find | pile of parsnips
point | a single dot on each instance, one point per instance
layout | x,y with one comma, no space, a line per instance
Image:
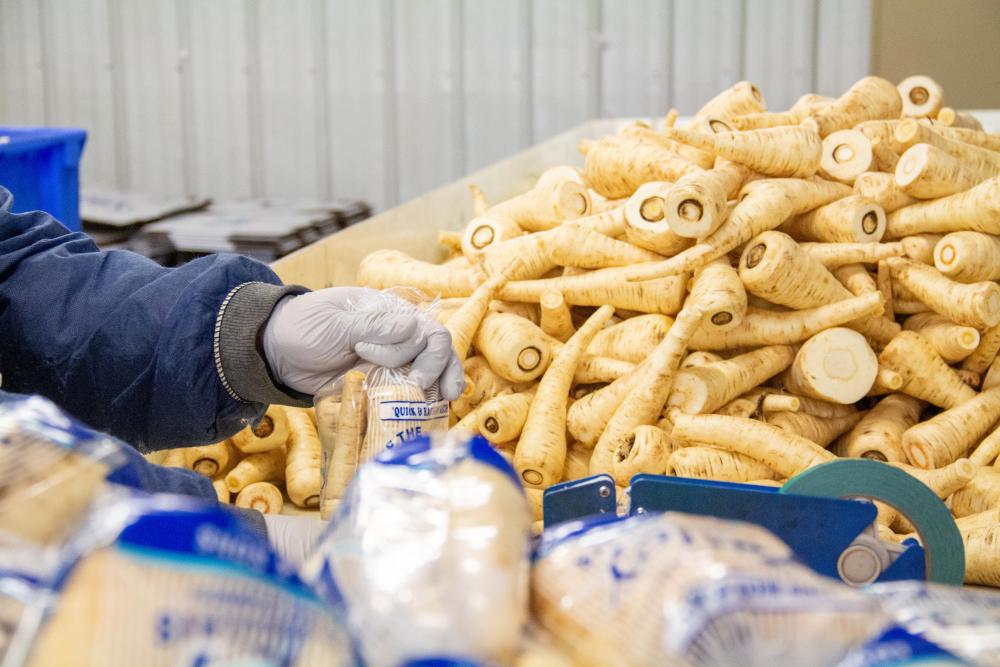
743,298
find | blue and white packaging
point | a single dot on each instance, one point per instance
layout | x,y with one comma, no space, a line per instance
898,648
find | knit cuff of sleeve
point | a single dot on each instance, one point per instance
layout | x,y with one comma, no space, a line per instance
239,361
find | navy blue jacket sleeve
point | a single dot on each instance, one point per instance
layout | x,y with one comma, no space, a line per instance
125,345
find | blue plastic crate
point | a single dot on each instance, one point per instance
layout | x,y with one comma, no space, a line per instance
41,167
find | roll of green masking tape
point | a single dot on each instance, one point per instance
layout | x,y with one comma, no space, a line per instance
861,478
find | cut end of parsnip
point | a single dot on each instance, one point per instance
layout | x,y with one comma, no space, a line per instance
912,164
836,365
921,95
846,155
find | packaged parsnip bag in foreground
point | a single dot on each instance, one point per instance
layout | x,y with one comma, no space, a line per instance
428,554
371,409
676,589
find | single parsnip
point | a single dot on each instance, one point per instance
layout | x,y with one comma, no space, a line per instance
855,278
774,267
904,302
266,466
541,449
600,370
880,438
391,268
616,166
980,494
975,304
577,464
835,365
546,205
951,118
882,189
976,209
920,247
645,221
887,381
943,481
925,374
501,418
645,134
481,383
478,199
969,136
644,403
207,459
982,560
302,461
575,245
846,155
871,98
817,429
777,151
987,451
268,433
605,287
739,99
643,450
556,319
465,321
832,255
261,496
718,293
695,359
516,349
980,160
885,149
764,327
631,340
921,96
766,204
483,231
706,388
952,341
948,435
787,454
927,172
697,204
347,434
450,241
985,353
968,257
221,491
522,258
700,462
852,219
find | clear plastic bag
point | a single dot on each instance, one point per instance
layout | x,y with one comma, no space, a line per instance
965,621
428,554
677,589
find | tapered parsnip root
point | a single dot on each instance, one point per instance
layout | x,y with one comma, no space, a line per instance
574,245
261,496
500,419
975,305
777,151
852,219
879,434
947,436
541,450
976,209
987,451
600,370
927,172
391,268
952,118
646,225
882,189
631,340
973,137
478,200
980,160
982,555
697,204
980,494
645,134
921,96
968,257
207,459
763,327
516,349
785,453
952,341
717,464
616,166
718,293
854,277
820,430
221,491
556,320
986,353
832,255
302,462
266,466
451,242
605,287
706,388
871,98
546,205
920,247
925,374
737,100
645,449
836,365
342,439
464,323
269,433
846,155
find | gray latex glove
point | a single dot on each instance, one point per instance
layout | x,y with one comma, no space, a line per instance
313,338
293,537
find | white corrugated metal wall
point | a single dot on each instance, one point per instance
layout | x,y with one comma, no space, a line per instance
386,99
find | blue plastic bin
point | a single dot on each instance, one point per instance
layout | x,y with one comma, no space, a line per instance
41,167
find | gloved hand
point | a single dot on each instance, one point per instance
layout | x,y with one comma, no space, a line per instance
313,338
293,537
